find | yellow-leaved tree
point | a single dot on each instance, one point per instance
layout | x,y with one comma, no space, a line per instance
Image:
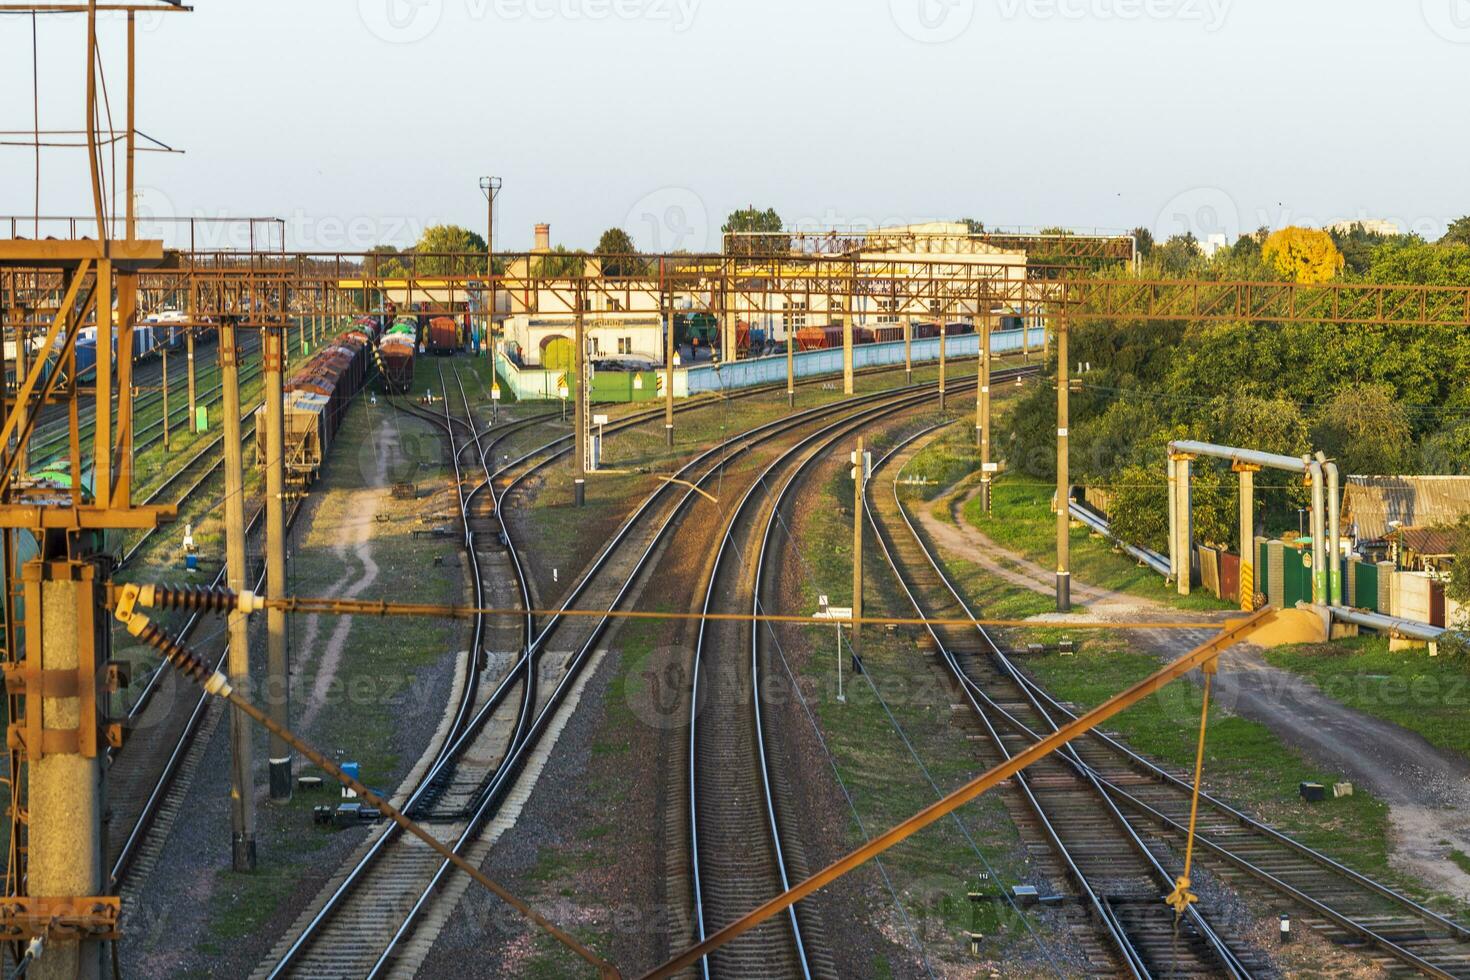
1303,254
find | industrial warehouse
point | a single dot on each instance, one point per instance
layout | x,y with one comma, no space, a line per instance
468,515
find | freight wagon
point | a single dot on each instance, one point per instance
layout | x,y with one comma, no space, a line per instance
316,397
827,338
894,331
397,350
444,336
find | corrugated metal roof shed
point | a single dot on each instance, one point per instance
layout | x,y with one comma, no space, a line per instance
1370,503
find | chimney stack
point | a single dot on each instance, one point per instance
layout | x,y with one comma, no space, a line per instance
543,238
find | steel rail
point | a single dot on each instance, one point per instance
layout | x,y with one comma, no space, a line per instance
184,742
511,763
462,724
828,436
1115,928
840,428
1046,704
500,782
249,371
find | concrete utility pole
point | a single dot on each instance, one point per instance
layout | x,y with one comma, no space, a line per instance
1247,473
670,336
729,346
242,775
850,315
578,383
491,187
1064,485
982,411
847,354
790,358
64,766
942,355
278,678
859,480
908,349
189,344
166,446
1183,546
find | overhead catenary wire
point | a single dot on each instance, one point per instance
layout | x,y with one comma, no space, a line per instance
222,599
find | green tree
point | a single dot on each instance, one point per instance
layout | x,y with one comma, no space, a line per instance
1145,241
1357,245
383,262
1411,260
1458,232
617,250
560,262
1447,452
1179,255
750,219
974,227
1365,429
1138,508
1271,425
450,250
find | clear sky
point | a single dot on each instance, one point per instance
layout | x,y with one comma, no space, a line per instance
362,120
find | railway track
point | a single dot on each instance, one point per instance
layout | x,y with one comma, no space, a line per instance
475,772
50,439
147,775
1099,782
740,852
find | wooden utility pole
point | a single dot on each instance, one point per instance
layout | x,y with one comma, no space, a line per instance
1064,486
982,410
278,679
242,775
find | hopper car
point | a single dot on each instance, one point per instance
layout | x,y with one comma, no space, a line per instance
397,348
317,395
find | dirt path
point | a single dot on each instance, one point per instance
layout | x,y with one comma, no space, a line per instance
1427,788
355,544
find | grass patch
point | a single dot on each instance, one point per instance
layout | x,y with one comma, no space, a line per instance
241,903
1428,695
1244,762
1022,522
1461,860
933,871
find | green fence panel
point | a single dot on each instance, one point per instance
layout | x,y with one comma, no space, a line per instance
1365,586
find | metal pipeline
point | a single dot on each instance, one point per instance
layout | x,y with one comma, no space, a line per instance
1319,548
1315,470
1334,529
1390,625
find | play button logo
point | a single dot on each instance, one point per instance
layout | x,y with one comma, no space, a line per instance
1450,19
400,21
